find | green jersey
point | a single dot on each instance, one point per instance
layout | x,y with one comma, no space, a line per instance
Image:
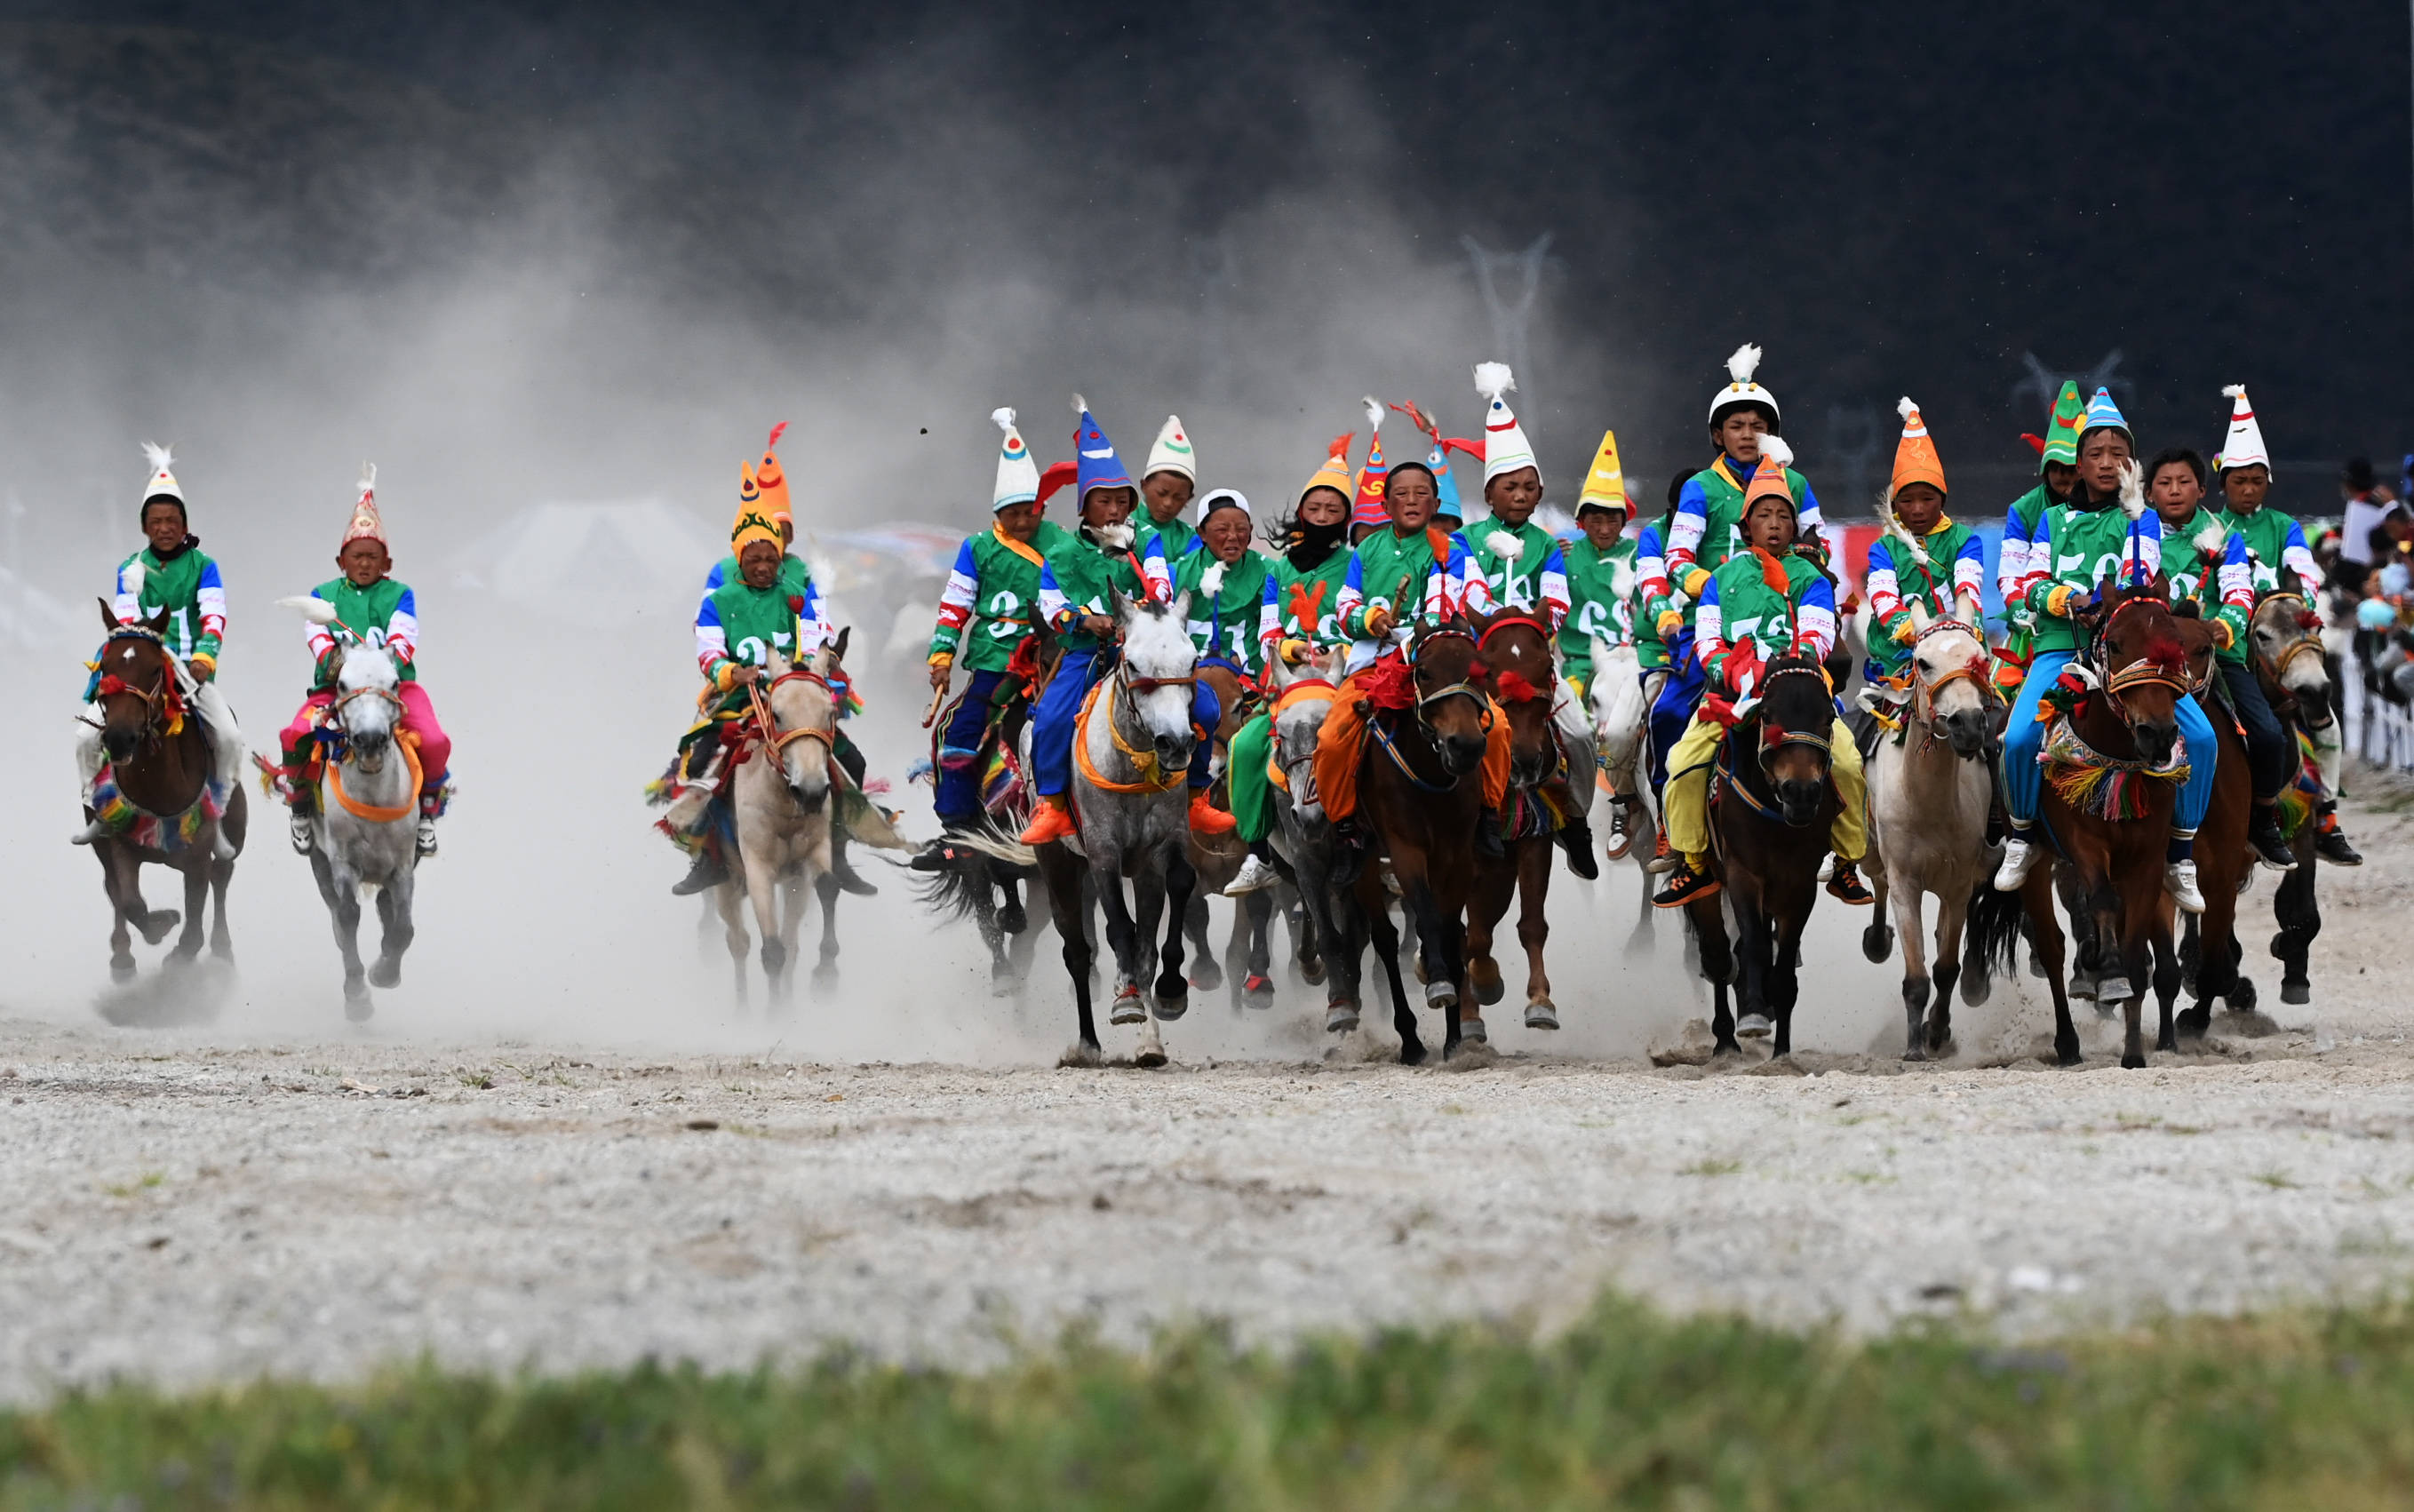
1079,577
992,597
383,613
1225,622
186,586
1600,602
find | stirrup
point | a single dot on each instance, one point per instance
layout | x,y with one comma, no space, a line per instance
302,832
426,838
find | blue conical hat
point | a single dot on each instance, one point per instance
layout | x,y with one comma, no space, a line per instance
1097,466
2103,414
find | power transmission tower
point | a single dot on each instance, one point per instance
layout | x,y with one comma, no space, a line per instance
1510,316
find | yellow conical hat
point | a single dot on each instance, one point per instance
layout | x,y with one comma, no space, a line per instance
753,522
1334,473
1605,486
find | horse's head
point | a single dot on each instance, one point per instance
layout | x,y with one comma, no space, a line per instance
1514,664
366,705
137,691
1617,707
2288,641
1160,665
1297,719
1796,714
804,718
1950,668
1451,710
2143,661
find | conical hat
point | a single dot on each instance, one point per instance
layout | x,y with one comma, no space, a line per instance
1605,483
1505,446
1335,471
1018,476
2244,445
1366,498
1171,452
753,521
2061,437
162,484
1915,454
773,480
1098,466
2103,414
1768,480
365,526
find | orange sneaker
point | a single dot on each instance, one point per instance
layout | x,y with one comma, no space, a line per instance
1053,822
1206,818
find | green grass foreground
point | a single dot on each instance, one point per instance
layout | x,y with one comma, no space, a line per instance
2303,1409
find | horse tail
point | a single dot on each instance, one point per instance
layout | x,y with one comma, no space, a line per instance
998,845
952,892
1992,931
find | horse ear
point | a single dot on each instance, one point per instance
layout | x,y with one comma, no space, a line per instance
1118,605
2291,583
2160,586
158,624
1600,651
1179,608
1920,617
108,617
838,647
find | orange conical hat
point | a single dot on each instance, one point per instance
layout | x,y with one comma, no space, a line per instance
753,522
773,480
365,526
1768,479
1915,455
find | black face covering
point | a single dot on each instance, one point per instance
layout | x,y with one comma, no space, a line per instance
1307,545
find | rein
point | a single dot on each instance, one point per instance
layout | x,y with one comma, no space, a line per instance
1976,672
1150,775
758,698
163,706
2141,672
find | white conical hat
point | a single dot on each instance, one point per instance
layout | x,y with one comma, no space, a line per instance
1171,452
1505,446
163,483
1740,389
2244,445
1018,476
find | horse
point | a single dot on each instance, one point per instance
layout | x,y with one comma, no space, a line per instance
367,836
1930,787
976,883
2121,732
2224,861
780,793
1131,751
1770,824
1420,796
2293,670
1302,836
1620,699
159,799
1516,668
1216,859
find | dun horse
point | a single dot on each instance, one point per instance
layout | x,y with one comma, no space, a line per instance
780,793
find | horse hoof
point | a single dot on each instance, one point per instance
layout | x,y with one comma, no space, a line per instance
1149,1059
1877,943
1013,920
2111,992
2067,1055
1172,1006
1541,1014
357,1006
1258,992
1205,975
1441,994
2291,992
2131,1062
1129,1008
1312,972
1916,1053
1471,1030
1081,1053
1340,1018
1490,992
386,974
1975,990
1753,1026
155,925
122,972
1412,1052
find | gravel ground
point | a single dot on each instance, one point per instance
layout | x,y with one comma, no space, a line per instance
253,1197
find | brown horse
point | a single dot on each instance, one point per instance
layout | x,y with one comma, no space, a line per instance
1770,816
159,766
1519,672
2130,721
2223,858
1216,859
2295,676
1420,796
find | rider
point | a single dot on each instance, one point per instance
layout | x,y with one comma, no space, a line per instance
1776,602
1664,650
739,624
1522,567
2276,544
2086,541
1921,556
2025,522
1078,582
1414,572
170,574
1709,525
1227,583
985,617
1166,485
1599,575
2207,558
372,607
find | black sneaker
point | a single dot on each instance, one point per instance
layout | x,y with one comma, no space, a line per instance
848,880
1349,852
1576,838
1683,886
938,855
2263,833
2332,846
1844,885
707,872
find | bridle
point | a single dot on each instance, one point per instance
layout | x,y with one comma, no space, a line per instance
1975,671
2142,673
1817,740
758,695
163,705
2307,643
1465,687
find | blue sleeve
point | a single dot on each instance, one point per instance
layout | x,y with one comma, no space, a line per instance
1557,561
1973,550
407,604
1693,499
1356,577
1808,514
1818,594
1709,599
2296,541
707,612
713,579
210,578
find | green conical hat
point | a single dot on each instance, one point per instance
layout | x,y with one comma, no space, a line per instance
2061,437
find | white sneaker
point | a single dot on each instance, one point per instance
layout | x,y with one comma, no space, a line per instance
297,826
2179,880
427,838
1255,875
2020,859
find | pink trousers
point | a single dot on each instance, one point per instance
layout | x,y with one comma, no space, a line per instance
418,716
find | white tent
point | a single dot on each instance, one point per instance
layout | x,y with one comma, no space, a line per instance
593,560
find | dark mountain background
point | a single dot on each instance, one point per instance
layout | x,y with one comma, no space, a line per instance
595,249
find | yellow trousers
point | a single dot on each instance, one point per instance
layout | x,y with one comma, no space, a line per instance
1686,801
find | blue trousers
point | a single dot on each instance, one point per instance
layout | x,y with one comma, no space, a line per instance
2023,737
1679,696
958,797
1059,708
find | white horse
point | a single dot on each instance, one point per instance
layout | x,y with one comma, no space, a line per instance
780,802
1928,794
1621,708
366,833
1302,834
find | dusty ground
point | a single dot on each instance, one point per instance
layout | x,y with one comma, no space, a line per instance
220,1201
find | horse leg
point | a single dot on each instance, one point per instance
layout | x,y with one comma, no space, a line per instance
792,926
1785,980
826,890
125,867
342,894
2046,942
221,942
1011,916
1878,936
1952,917
1754,946
1130,1006
121,942
1179,886
1905,904
1534,930
1495,885
2167,986
1064,875
393,915
1387,948
1708,919
726,900
2298,911
763,894
195,875
1258,986
1206,971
